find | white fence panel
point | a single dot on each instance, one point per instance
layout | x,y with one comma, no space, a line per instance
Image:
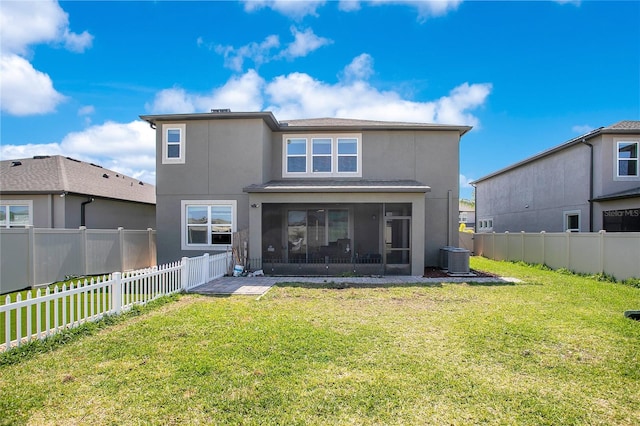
621,255
616,254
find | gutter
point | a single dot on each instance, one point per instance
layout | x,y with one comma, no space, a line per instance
584,141
83,209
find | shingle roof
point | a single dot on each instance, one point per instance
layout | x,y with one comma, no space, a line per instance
58,174
339,185
625,125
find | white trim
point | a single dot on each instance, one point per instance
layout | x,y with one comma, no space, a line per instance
183,223
182,127
617,159
565,217
309,155
12,203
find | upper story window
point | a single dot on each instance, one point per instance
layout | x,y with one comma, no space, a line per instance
322,155
627,158
173,143
16,213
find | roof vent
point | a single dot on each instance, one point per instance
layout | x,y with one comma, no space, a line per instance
220,110
41,157
73,159
140,183
106,176
16,163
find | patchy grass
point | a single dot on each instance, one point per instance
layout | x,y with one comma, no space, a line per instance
555,349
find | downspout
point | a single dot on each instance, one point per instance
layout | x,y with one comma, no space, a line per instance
584,141
82,211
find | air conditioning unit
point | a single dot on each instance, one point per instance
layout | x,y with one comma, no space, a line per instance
458,261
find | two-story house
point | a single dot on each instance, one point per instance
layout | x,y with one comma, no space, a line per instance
311,193
587,184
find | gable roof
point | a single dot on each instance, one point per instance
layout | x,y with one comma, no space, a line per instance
621,127
308,124
57,174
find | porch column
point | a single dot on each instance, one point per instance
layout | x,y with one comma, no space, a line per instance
417,235
255,226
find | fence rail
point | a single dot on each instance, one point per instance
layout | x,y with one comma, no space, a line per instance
613,253
55,309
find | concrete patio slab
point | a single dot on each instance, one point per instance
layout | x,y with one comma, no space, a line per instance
256,286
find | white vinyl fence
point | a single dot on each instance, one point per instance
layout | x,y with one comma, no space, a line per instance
615,253
31,257
52,310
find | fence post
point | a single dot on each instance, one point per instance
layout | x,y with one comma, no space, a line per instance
184,274
205,268
544,259
601,238
568,249
123,267
83,250
31,263
151,261
116,292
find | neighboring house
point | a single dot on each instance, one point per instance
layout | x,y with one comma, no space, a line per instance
61,192
587,184
467,214
309,192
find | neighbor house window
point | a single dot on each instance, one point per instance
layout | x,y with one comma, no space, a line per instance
485,225
322,155
16,213
572,221
627,156
208,224
173,143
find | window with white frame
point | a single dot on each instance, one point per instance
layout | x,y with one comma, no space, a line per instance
208,224
627,158
485,225
572,221
322,155
173,143
16,213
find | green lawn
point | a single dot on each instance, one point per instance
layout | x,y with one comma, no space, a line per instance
555,349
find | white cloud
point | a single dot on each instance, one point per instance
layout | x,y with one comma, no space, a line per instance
361,68
582,128
25,90
298,95
127,148
303,44
241,93
259,53
86,110
425,8
24,23
465,182
295,9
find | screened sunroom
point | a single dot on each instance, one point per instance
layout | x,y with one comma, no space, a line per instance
347,230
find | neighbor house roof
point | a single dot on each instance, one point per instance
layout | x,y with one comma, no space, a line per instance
331,185
621,127
305,124
58,174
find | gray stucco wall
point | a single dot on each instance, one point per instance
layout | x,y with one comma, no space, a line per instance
534,197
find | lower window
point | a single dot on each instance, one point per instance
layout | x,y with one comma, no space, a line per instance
15,214
572,221
208,224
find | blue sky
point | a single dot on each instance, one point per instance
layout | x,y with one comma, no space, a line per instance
75,76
